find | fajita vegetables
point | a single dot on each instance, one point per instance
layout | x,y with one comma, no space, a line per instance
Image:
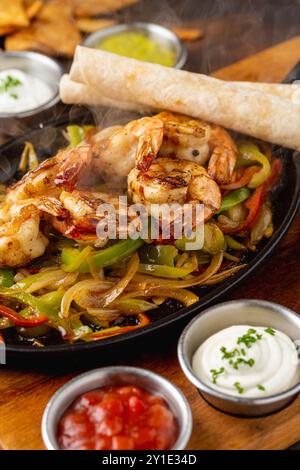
66,276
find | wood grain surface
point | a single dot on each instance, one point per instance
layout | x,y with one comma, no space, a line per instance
24,394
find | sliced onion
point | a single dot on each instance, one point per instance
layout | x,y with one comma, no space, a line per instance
76,288
141,280
184,296
224,275
116,290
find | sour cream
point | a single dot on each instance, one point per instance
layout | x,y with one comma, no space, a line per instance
248,361
20,91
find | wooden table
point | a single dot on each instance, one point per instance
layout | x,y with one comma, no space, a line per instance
23,395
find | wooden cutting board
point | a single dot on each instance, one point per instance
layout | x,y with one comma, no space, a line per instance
23,395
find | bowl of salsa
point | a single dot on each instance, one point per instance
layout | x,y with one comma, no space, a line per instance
117,408
147,42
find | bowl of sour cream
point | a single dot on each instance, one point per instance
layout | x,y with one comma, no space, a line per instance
28,83
243,356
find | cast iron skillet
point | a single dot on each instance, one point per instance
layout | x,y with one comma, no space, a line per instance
47,141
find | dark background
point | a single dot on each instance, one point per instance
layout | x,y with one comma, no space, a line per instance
234,29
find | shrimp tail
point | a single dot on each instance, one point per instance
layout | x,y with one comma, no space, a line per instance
52,206
75,163
149,132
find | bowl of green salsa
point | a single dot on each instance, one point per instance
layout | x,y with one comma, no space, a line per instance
147,42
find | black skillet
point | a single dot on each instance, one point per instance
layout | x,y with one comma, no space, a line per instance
47,140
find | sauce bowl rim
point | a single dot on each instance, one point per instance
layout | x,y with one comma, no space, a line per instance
202,386
181,58
168,389
34,57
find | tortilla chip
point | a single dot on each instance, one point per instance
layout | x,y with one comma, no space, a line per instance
188,34
90,25
53,32
25,40
32,7
7,29
12,13
56,11
99,7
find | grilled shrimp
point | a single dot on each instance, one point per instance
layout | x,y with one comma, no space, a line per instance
191,139
170,180
118,149
21,239
83,215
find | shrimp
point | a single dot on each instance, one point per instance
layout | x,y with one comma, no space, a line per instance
82,207
118,150
191,139
21,239
171,180
164,135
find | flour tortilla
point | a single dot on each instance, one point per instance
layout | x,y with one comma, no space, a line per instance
79,93
267,116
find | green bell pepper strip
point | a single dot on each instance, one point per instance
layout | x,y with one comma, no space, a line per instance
164,271
76,261
25,283
45,305
250,154
158,254
115,253
234,244
18,320
76,134
78,328
214,240
234,198
69,256
102,258
6,277
190,244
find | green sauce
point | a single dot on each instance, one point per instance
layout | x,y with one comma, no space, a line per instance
138,45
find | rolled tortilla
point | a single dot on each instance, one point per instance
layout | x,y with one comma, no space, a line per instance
290,91
79,93
266,116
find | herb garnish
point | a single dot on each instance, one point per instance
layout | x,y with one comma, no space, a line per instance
249,338
215,373
261,387
240,389
235,364
229,354
270,331
6,84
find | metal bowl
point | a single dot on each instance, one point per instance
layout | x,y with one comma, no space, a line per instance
238,312
38,65
116,375
156,32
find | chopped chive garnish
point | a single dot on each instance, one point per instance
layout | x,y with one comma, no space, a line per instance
215,373
240,389
235,364
248,339
270,331
261,387
6,84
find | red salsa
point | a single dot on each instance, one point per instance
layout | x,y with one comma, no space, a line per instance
118,418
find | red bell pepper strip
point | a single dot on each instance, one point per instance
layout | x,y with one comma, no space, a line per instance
143,321
18,320
256,200
244,180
